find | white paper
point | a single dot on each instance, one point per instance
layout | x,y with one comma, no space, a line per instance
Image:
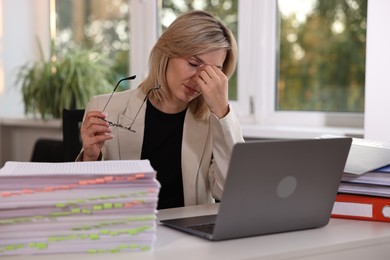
71,168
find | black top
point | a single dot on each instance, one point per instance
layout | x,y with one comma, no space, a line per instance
162,146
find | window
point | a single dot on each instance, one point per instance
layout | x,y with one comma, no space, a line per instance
321,55
99,24
277,82
259,65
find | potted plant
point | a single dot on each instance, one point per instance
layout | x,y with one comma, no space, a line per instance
67,80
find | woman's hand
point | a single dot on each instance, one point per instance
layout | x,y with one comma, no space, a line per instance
214,85
94,132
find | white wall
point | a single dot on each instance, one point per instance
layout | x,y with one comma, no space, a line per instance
377,106
21,22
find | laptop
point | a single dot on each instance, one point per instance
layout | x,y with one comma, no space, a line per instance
274,186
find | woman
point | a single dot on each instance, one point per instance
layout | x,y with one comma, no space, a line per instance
179,118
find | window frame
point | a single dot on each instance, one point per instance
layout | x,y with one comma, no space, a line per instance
258,25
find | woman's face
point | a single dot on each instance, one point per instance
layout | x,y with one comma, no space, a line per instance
182,73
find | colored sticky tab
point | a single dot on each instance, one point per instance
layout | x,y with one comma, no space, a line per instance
91,181
94,236
86,211
128,204
132,232
41,245
114,233
140,175
83,182
60,205
118,205
97,207
109,178
115,250
9,247
104,232
122,246
49,189
6,194
107,205
100,180
75,210
27,191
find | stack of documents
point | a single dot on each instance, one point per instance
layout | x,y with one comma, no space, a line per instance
364,191
373,183
365,155
91,207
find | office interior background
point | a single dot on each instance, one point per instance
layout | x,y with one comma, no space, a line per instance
305,67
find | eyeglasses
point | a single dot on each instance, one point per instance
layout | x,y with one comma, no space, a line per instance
139,109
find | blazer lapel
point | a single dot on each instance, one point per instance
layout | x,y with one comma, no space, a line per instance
195,134
130,142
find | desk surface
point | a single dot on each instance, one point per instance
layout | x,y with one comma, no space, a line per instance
340,239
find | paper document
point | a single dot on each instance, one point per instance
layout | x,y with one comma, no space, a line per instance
365,155
72,168
77,207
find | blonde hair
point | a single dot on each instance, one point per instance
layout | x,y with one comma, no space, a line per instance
193,33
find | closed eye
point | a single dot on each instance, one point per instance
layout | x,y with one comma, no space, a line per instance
193,64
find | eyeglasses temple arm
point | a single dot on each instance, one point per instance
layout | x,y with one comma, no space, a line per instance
117,84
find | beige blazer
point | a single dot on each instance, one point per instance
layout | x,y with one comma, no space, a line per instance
206,145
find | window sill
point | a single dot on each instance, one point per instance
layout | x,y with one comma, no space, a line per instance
292,132
30,122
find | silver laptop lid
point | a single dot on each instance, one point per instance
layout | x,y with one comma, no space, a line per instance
278,186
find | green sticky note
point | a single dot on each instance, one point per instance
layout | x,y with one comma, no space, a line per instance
94,236
19,246
122,246
107,205
41,245
97,207
92,251
114,233
86,211
132,232
53,239
75,210
60,205
104,232
118,205
83,236
9,247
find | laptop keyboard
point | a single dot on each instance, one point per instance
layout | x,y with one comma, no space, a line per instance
206,228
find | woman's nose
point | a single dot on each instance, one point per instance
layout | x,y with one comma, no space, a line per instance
196,73
195,76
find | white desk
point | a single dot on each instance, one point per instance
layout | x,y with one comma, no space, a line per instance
340,239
